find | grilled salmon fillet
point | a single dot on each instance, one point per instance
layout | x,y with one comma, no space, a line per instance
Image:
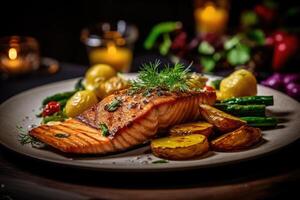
132,120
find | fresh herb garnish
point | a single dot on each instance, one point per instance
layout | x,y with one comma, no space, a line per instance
173,79
59,116
113,106
160,161
62,135
25,138
104,129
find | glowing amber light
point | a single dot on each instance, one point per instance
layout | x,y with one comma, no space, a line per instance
12,54
118,57
211,18
111,49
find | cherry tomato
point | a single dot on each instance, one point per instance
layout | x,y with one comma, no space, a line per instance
208,88
51,108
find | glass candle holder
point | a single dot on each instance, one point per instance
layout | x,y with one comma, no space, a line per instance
18,55
110,43
211,16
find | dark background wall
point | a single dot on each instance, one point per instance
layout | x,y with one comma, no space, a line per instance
57,24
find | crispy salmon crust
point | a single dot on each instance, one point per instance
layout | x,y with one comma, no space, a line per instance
137,119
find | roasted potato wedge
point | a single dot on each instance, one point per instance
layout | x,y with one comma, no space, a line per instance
221,120
242,138
202,128
180,147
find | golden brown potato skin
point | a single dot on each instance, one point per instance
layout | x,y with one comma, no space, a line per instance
181,152
242,138
221,120
202,128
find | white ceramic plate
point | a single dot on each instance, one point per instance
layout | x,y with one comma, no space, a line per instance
21,109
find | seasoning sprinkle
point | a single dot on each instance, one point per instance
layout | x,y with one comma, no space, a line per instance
62,135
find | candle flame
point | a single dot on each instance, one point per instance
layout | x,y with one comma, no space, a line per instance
111,48
12,54
209,10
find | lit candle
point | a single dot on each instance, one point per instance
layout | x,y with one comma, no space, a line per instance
117,57
211,19
12,63
18,55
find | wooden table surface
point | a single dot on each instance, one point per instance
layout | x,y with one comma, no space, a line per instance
274,176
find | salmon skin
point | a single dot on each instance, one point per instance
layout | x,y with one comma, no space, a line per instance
128,120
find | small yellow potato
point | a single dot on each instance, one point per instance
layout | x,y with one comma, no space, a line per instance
202,128
242,138
221,120
98,74
79,102
180,147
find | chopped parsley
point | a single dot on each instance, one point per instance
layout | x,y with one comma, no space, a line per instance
104,129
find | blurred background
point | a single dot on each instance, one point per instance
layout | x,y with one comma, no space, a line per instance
218,36
57,24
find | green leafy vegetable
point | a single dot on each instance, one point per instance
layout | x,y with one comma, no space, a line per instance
208,63
104,129
59,116
58,97
257,35
232,42
206,48
239,55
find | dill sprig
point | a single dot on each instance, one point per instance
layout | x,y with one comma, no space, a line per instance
169,78
25,138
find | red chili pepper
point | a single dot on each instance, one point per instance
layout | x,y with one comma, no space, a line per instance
51,108
285,46
209,88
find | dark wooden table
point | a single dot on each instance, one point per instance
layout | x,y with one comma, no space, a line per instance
274,176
